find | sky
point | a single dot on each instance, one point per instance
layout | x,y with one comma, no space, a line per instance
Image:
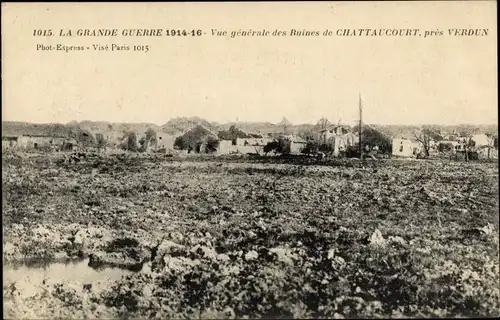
401,80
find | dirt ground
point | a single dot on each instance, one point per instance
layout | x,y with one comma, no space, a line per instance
250,239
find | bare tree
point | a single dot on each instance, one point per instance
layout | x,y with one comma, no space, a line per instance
149,139
425,136
285,124
129,142
323,124
308,135
467,131
491,143
101,142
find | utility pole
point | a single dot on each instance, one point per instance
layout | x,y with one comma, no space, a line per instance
360,127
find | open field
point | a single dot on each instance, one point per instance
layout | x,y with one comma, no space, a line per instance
212,238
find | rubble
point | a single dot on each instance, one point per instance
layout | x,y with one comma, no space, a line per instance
250,239
377,240
251,255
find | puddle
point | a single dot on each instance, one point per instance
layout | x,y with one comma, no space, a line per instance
29,280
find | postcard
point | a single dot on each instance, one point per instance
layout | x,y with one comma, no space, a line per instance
248,160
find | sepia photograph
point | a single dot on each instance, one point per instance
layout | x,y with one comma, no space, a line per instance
250,160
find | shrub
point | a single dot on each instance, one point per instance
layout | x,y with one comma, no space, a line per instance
212,144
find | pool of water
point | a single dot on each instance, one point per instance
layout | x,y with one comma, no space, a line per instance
29,279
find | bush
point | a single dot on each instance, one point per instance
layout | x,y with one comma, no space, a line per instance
101,143
190,144
212,144
313,147
271,146
179,143
130,142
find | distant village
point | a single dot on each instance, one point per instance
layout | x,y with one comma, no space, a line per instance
329,139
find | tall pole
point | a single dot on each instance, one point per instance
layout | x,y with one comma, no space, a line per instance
360,126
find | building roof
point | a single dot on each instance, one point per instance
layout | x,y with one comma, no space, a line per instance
294,138
17,129
298,139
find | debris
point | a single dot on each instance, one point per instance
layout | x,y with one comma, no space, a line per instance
282,242
251,255
397,239
488,229
376,239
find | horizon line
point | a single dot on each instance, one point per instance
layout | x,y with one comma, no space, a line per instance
252,122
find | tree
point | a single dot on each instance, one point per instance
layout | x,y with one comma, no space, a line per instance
466,130
179,143
233,134
150,134
284,145
310,148
212,144
195,138
280,145
130,142
424,137
374,137
143,145
271,146
323,124
326,148
144,142
491,143
285,124
307,135
101,143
